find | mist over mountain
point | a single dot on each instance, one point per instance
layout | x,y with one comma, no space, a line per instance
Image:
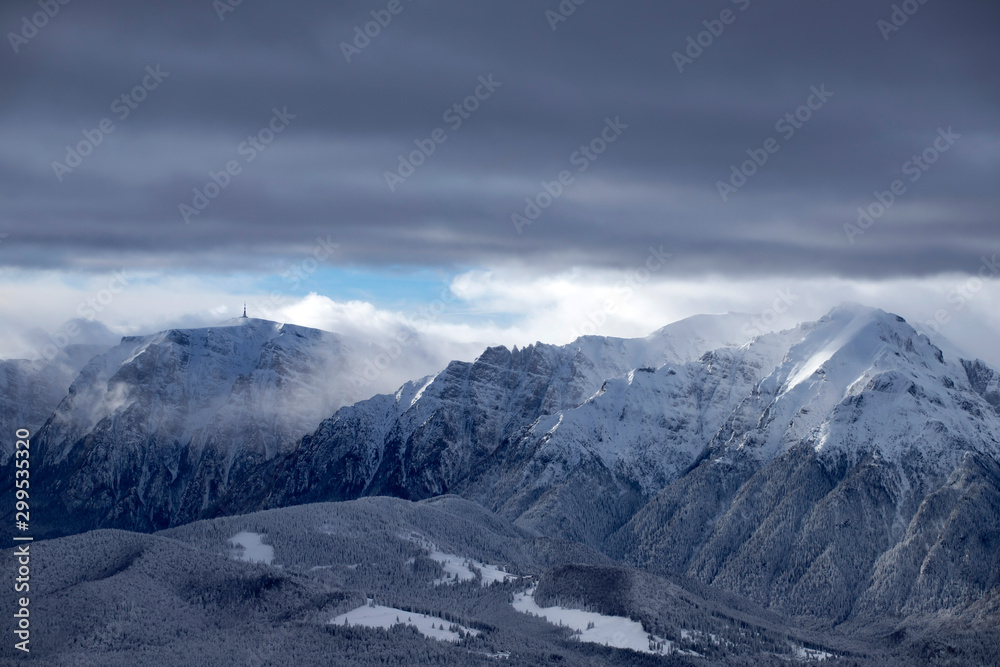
30,389
332,333
841,475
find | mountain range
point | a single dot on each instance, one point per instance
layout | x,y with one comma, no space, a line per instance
844,474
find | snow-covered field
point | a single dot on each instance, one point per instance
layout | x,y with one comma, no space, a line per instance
808,654
616,631
459,568
377,616
249,547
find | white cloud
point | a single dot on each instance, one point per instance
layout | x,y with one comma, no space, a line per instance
504,305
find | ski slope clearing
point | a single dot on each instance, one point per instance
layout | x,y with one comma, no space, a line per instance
809,655
249,547
377,616
614,631
459,568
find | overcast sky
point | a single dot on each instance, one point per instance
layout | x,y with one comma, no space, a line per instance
644,108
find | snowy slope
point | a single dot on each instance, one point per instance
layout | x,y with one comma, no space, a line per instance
584,471
372,615
820,470
442,433
863,380
151,431
594,628
652,423
688,339
841,469
30,390
825,489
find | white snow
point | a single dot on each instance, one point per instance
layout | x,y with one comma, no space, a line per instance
615,631
215,387
688,339
862,380
377,616
459,568
812,357
651,424
808,654
249,547
403,392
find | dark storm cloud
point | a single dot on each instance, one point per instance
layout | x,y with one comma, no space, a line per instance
656,184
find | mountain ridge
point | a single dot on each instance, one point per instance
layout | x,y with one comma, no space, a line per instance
817,471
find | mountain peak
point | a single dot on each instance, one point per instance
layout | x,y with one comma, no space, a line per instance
852,310
853,333
248,322
861,378
250,328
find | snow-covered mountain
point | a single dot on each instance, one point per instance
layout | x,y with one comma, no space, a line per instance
30,389
635,436
446,432
842,450
842,469
860,475
166,428
151,431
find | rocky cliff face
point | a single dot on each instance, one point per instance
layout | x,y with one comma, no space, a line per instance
469,426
